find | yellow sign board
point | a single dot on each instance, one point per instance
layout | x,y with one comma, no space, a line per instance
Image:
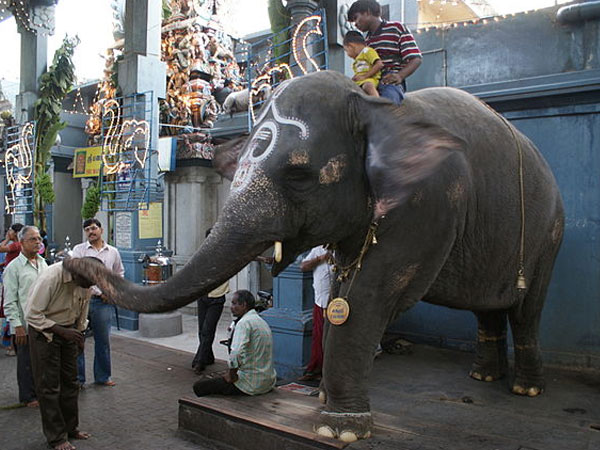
87,162
150,221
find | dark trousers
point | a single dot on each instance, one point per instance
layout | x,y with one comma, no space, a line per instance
54,367
209,312
215,386
24,374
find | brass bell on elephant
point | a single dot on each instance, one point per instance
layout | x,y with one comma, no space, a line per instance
521,283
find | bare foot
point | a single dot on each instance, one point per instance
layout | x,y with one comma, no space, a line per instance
33,404
107,383
79,435
64,446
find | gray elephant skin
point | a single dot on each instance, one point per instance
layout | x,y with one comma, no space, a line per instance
440,177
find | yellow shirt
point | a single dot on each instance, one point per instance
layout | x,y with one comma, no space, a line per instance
219,291
364,62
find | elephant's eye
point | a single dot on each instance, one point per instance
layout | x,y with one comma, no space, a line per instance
263,141
300,178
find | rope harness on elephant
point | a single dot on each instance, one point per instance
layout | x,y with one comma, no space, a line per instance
521,281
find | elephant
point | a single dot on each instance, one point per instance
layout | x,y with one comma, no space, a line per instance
439,199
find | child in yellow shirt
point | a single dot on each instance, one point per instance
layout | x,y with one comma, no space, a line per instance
367,65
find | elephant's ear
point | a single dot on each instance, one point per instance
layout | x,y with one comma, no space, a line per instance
226,156
401,153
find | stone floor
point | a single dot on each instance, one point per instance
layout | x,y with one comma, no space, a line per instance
421,401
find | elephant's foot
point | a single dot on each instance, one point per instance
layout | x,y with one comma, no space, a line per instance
491,363
347,427
531,386
491,372
529,379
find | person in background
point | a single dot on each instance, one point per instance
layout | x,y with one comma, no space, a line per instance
251,369
100,312
317,261
210,307
11,245
19,277
10,248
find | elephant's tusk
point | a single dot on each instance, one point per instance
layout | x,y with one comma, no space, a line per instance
278,251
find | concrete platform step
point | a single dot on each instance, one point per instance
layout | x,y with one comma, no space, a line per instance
275,421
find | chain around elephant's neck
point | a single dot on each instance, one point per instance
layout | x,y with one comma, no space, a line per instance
343,272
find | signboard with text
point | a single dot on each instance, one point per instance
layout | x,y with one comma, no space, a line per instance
87,161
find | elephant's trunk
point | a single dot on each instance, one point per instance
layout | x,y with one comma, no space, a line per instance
222,255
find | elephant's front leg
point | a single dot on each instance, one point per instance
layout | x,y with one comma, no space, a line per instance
348,359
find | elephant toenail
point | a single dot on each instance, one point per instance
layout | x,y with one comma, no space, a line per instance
325,431
322,397
348,436
519,390
476,375
533,391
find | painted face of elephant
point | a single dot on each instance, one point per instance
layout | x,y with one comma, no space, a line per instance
323,149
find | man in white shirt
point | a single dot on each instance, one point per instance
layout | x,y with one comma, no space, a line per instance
100,312
317,261
19,276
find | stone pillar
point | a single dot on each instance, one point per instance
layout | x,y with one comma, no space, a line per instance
34,60
34,57
141,71
299,9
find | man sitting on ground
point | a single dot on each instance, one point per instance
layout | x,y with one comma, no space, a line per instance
251,369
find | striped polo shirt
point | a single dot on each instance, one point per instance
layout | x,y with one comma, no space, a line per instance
395,45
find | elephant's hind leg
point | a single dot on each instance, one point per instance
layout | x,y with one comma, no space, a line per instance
524,322
491,362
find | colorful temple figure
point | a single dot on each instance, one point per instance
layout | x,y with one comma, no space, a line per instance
200,99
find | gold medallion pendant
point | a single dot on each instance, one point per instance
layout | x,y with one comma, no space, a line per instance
338,311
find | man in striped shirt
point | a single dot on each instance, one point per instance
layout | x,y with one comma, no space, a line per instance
393,42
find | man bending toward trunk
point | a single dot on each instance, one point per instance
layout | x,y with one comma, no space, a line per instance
56,313
251,369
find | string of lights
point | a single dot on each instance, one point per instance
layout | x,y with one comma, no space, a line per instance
18,167
25,16
316,29
122,140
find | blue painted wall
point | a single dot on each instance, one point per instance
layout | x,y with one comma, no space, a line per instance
545,78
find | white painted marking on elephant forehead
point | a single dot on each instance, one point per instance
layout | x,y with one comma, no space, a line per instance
275,95
268,129
242,175
348,414
294,121
291,121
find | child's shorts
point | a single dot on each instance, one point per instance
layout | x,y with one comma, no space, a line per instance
368,80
